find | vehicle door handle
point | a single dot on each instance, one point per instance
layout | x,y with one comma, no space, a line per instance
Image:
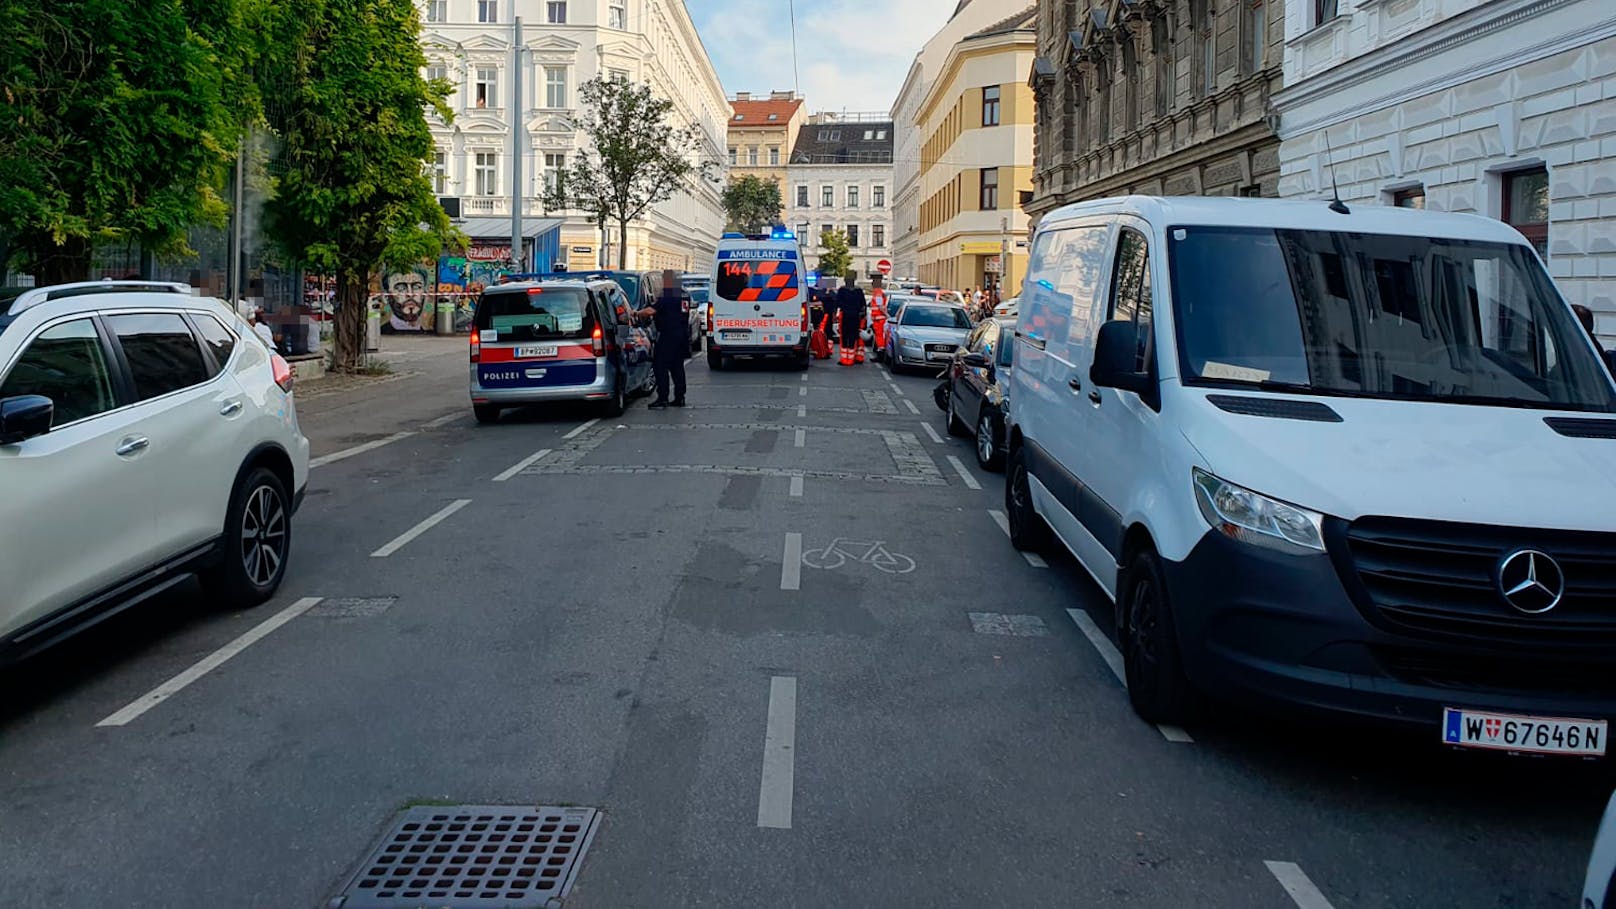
1095,396
132,444
230,409
1076,384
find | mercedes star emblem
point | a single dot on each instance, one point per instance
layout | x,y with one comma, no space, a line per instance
1531,581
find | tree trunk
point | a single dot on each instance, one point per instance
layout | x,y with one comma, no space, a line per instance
352,312
622,244
69,263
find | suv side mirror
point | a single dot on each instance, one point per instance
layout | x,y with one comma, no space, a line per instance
1116,350
24,417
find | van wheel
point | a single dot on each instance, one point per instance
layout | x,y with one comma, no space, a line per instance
1157,686
618,402
257,541
485,413
803,361
1028,532
715,360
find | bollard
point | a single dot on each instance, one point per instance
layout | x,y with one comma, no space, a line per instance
373,331
446,309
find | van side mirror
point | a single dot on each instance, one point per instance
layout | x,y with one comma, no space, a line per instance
24,417
1116,351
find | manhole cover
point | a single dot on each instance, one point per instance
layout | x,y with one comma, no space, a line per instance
473,855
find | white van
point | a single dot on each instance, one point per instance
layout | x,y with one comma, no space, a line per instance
1362,462
759,303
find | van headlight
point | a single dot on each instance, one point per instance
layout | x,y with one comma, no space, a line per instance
1252,517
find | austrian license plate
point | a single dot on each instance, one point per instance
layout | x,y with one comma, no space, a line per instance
1511,732
938,355
735,335
535,352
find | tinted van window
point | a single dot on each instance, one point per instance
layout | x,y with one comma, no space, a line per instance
163,354
539,313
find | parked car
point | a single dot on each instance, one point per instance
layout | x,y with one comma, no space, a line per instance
699,288
1008,309
895,305
926,334
146,435
978,390
1349,461
562,339
642,288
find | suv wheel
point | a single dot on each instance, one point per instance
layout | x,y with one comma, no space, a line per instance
485,413
1028,532
1157,686
257,540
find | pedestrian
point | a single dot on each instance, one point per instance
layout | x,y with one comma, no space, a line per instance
1586,317
255,318
672,314
850,301
878,312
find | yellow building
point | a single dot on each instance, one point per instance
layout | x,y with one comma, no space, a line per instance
761,131
976,125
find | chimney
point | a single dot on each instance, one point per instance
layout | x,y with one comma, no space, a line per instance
743,96
783,96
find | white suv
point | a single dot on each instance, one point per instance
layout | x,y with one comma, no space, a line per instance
146,435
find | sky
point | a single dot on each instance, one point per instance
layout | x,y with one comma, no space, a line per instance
852,54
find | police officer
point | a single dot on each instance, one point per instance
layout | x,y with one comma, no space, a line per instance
850,300
672,314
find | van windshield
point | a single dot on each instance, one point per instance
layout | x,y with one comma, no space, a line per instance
1382,316
536,313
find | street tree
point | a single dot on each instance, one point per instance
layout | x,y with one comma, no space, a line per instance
635,158
837,257
344,94
119,120
752,203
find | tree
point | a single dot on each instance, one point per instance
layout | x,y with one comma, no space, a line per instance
635,158
119,120
752,203
836,259
344,93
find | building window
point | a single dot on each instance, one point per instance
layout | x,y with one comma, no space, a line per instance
823,230
852,197
1129,74
1163,57
554,163
878,197
990,106
617,15
437,72
830,135
1526,206
486,174
1253,191
852,235
732,156
1256,28
555,12
774,156
1413,197
1324,11
487,10
437,10
1102,105
555,86
619,75
827,197
486,88
990,189
1208,46
878,235
440,173
802,196
751,156
802,230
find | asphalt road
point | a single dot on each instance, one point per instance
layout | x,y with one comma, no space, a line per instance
705,623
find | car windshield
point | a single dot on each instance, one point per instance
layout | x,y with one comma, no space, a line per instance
539,313
1383,316
924,316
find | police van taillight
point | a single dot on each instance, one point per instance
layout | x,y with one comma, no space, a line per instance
599,340
476,346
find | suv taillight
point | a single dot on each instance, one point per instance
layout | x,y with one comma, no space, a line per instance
283,371
476,346
599,340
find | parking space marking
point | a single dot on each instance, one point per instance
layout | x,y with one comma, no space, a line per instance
796,486
802,438
1113,661
895,388
404,539
802,410
581,429
965,475
932,432
779,755
444,420
999,518
804,377
911,405
207,664
521,465
791,563
347,453
802,391
1298,885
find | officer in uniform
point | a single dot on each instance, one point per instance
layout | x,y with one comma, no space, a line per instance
672,314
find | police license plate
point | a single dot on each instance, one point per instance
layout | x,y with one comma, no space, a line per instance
1511,732
535,352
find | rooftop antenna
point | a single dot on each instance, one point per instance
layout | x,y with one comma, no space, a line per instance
1336,205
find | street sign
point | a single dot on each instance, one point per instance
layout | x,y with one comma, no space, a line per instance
884,266
993,265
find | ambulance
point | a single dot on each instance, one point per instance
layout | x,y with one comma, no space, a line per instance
759,300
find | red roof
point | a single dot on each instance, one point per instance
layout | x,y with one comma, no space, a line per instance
755,114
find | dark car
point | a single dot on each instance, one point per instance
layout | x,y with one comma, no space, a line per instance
643,288
978,390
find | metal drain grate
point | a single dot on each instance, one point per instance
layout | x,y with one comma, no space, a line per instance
473,856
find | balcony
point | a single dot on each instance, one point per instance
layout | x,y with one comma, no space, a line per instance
496,206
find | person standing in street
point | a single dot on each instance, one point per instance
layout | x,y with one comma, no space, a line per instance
850,301
671,312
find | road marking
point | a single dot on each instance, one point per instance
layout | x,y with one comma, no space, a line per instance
1033,558
796,486
932,432
791,563
802,391
521,465
802,410
1296,883
895,388
779,755
580,430
444,420
207,664
1113,660
408,535
965,475
911,405
347,453
802,437
803,377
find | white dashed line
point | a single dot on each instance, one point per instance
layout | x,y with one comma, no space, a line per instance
444,420
802,391
796,486
895,388
779,755
1033,558
911,405
802,410
408,535
804,377
581,429
207,664
791,563
1113,661
1296,883
346,453
965,475
802,438
932,432
521,465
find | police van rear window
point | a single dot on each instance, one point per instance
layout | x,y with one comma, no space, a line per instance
536,314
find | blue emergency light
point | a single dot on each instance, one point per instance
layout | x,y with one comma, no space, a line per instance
733,235
780,233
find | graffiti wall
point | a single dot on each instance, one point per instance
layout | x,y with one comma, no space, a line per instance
408,299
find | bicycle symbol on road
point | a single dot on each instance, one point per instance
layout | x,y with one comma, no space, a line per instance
874,554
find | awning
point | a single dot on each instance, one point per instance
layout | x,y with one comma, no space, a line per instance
500,228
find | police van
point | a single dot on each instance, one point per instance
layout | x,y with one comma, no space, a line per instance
759,302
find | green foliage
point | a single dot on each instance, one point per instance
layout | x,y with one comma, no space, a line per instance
752,203
119,121
837,258
635,157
